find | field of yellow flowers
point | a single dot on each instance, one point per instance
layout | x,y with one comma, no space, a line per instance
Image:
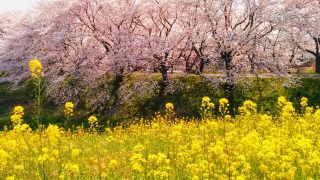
248,146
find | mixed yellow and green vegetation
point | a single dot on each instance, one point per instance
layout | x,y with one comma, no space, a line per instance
250,145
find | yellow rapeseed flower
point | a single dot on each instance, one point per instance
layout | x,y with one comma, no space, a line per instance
223,106
211,105
93,121
75,152
206,103
72,169
3,158
138,148
16,119
224,102
248,108
17,115
205,100
169,106
18,167
36,68
288,110
10,178
18,110
282,101
68,109
304,102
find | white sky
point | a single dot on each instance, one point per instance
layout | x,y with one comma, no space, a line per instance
17,5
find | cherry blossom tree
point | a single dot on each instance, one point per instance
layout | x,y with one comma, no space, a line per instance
12,56
238,27
113,27
112,24
195,50
81,42
303,26
162,36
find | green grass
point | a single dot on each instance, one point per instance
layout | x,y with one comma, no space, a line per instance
186,96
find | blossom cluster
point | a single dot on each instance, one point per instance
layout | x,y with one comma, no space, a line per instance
93,121
68,109
17,115
36,68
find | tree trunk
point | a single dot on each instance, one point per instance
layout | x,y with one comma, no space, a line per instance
116,85
252,66
111,106
317,53
201,66
259,87
188,67
318,63
164,72
165,81
229,86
